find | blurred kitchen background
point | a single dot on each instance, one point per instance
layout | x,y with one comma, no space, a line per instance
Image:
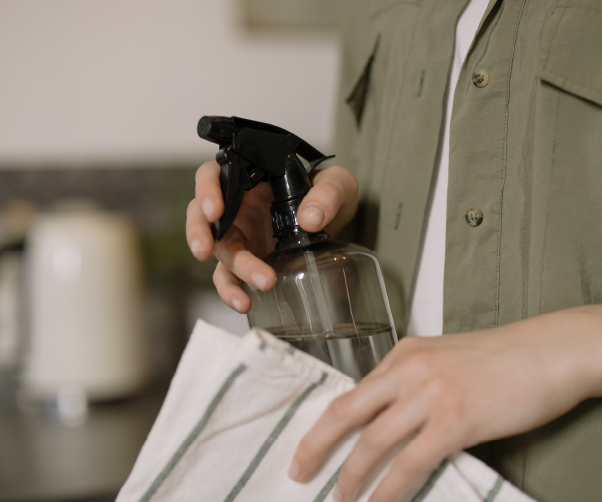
99,101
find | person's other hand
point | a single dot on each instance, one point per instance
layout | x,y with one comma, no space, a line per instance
331,201
448,393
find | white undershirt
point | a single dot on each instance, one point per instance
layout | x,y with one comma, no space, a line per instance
426,315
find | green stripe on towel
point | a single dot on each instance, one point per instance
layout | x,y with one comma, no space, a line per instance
495,490
430,482
265,447
328,486
193,434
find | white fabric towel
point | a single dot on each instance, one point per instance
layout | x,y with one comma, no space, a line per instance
235,411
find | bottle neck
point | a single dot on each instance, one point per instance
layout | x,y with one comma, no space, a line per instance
288,190
296,237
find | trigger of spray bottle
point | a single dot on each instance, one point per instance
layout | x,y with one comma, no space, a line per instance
251,152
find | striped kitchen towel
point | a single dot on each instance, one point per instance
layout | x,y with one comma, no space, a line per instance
234,414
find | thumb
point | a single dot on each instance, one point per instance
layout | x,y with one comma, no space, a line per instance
332,199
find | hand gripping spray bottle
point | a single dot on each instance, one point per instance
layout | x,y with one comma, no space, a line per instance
330,298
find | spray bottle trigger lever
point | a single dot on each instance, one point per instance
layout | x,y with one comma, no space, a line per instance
236,176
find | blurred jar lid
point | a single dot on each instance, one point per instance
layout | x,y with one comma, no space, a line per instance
15,219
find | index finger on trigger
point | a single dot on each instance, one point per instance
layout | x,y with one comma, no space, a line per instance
243,263
345,414
198,233
334,192
208,191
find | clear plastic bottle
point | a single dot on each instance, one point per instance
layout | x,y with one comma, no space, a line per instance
330,298
329,301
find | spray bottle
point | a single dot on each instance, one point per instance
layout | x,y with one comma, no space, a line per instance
329,299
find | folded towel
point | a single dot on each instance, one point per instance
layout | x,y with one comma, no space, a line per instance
236,409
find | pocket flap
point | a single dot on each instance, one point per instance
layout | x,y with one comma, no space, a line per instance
357,97
571,55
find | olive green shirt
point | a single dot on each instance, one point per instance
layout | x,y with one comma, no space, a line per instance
525,151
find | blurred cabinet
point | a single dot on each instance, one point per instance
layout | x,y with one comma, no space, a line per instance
42,459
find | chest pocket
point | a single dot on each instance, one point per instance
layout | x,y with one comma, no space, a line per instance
567,172
571,49
387,32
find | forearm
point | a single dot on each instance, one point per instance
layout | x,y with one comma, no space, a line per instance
573,338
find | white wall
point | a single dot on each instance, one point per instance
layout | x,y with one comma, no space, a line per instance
89,82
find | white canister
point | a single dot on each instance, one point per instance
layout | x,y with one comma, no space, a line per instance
84,288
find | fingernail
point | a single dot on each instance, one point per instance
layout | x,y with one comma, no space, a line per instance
259,280
314,215
294,470
237,305
208,208
337,495
194,246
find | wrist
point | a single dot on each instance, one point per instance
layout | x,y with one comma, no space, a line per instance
581,328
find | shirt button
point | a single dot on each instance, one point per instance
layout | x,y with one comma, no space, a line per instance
474,217
480,78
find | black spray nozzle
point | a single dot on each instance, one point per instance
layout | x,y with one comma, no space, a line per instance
216,129
251,152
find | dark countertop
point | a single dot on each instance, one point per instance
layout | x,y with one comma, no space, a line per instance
43,460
